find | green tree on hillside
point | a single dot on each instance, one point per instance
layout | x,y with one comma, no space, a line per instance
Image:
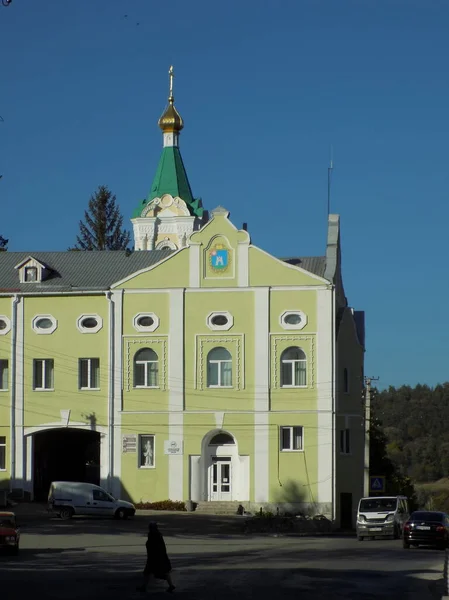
102,228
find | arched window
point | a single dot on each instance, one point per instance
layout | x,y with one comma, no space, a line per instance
222,439
146,368
293,368
219,368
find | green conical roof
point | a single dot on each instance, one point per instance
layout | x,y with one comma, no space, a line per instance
171,178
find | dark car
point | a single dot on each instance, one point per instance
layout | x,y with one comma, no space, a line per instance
427,528
9,532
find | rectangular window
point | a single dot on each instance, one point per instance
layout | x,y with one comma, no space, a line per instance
345,441
3,374
30,274
146,451
292,438
89,373
43,373
2,453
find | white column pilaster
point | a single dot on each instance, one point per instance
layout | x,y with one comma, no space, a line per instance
176,393
117,399
261,394
19,450
325,374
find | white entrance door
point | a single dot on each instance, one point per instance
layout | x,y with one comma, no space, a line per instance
220,478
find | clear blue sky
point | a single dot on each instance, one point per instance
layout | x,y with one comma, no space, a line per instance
265,89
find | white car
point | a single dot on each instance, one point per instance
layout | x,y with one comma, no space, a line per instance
68,498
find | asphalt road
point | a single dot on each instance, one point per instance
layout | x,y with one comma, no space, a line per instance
103,559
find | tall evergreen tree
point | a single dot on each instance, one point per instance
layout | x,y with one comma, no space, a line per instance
3,243
102,228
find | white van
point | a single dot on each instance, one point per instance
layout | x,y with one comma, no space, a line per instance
68,498
382,516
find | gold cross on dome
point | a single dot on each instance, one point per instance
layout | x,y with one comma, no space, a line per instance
171,76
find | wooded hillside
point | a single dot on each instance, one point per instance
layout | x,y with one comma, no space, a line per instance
415,422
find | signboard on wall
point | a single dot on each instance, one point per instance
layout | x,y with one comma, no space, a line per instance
129,443
172,447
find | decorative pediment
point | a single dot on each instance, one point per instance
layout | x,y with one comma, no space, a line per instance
166,206
32,270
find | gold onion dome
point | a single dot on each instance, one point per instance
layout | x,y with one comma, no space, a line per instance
171,120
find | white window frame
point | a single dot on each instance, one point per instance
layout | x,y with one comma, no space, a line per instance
345,441
40,331
89,373
145,362
210,317
44,362
150,328
292,362
141,437
219,362
95,329
292,431
3,445
299,326
7,329
4,360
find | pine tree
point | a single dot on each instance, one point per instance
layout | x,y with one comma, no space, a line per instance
102,228
3,243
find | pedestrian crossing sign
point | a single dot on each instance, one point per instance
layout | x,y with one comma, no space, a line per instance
377,484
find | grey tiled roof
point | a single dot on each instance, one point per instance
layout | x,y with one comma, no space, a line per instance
313,264
78,269
99,270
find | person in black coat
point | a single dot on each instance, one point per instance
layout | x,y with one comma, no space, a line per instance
158,563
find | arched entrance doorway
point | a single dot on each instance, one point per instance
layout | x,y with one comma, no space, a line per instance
64,454
220,473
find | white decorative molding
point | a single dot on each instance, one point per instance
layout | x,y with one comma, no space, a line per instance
166,243
219,420
41,330
285,315
5,324
213,315
130,349
83,329
237,341
293,340
149,328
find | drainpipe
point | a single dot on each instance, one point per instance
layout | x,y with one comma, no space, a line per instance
12,444
111,392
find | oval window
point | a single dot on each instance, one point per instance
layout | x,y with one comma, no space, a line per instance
219,320
145,321
89,322
44,323
292,319
3,324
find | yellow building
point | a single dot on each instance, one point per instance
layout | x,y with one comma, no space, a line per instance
198,367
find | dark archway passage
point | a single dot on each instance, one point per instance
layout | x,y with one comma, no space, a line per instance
65,455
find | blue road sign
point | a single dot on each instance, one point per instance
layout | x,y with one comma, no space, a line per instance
377,484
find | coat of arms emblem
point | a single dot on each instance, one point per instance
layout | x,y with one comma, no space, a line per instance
219,257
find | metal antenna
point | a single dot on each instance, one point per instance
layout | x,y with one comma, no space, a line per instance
329,181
